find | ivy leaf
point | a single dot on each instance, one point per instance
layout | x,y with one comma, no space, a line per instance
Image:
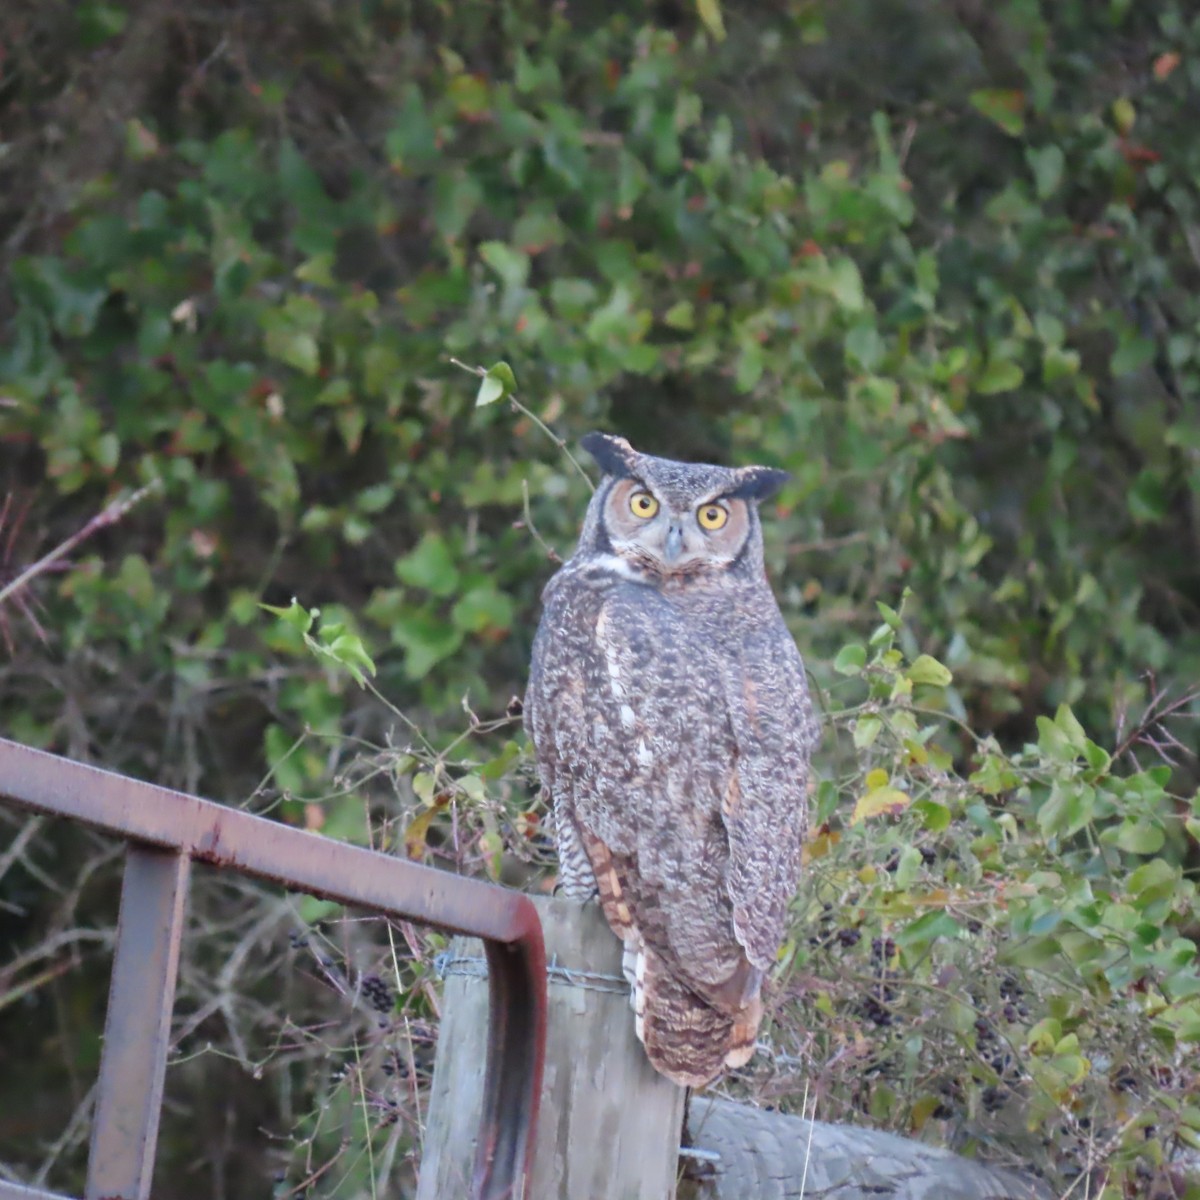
348,650
1004,107
429,565
999,376
498,384
294,615
1048,165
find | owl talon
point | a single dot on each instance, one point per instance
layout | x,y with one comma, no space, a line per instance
564,889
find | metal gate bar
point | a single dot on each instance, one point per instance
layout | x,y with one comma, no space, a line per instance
167,830
137,1025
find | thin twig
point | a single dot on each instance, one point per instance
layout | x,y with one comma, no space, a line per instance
107,516
1151,729
552,554
512,399
17,848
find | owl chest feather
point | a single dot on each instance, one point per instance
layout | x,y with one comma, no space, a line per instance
647,673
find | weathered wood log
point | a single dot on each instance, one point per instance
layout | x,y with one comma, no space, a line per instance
610,1124
769,1156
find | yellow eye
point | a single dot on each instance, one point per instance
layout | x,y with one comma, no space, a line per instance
643,505
711,516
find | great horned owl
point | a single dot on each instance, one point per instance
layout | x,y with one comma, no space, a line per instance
668,709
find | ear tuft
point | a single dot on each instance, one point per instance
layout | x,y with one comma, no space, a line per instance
613,455
757,483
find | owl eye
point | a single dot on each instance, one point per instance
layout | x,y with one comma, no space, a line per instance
711,516
643,505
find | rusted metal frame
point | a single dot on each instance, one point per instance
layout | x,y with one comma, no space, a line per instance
190,828
137,1025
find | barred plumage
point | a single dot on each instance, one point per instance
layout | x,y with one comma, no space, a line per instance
668,708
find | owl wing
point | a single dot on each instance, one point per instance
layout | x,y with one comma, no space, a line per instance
766,811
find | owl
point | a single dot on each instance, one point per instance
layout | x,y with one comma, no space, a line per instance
669,713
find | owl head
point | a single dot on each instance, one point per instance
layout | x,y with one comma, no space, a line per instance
671,520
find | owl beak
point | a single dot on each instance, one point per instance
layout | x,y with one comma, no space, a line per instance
674,543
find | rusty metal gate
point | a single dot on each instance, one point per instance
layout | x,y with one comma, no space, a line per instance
166,831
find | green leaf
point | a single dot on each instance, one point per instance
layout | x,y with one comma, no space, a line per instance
1148,498
845,285
348,650
865,347
935,817
710,14
850,659
995,776
1136,837
483,608
426,640
511,265
926,669
412,140
1054,743
1069,807
681,315
927,929
889,614
1048,164
97,21
1005,107
295,347
295,616
1154,880
429,565
1124,114
1133,352
866,729
498,384
998,376
1071,729
908,868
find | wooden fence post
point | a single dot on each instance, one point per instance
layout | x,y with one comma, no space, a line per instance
610,1124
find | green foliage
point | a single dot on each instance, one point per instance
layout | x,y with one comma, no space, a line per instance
945,278
1010,946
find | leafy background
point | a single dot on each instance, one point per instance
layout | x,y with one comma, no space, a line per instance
937,259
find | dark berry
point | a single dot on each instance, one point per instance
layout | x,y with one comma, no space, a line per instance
377,993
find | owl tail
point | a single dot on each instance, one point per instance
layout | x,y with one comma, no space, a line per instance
687,1039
